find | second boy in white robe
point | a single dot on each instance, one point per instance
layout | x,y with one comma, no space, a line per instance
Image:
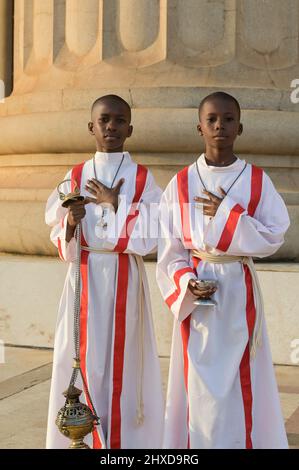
218,395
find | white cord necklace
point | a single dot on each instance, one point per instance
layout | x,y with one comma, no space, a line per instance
95,173
235,180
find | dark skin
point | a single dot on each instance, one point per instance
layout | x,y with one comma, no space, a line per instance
110,125
219,125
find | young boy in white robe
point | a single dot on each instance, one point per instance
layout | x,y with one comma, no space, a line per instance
117,346
215,215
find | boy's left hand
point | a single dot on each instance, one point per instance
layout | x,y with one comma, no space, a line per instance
104,194
210,205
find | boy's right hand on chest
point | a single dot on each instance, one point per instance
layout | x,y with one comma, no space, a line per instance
200,292
76,212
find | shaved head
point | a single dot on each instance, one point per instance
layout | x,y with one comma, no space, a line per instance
219,95
113,100
110,123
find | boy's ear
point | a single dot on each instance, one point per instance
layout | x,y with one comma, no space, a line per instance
90,127
240,129
199,129
130,131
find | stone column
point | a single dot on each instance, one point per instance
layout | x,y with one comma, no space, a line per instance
163,57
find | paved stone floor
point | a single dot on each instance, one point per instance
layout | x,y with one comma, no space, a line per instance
24,391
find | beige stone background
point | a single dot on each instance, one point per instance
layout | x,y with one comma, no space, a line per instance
163,57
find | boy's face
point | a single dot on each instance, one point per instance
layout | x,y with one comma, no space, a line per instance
219,123
110,125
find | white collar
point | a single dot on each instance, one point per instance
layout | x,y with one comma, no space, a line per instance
235,166
111,157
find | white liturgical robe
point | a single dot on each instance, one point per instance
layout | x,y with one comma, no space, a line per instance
117,345
219,394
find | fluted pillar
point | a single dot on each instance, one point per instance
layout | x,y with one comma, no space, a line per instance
6,14
162,56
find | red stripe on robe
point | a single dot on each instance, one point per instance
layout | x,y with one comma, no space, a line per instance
60,249
237,210
120,308
59,242
229,228
177,276
76,182
131,219
245,374
119,349
183,195
256,189
185,332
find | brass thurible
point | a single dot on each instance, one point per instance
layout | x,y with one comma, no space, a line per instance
75,419
70,197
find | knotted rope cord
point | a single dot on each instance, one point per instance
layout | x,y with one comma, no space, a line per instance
256,337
